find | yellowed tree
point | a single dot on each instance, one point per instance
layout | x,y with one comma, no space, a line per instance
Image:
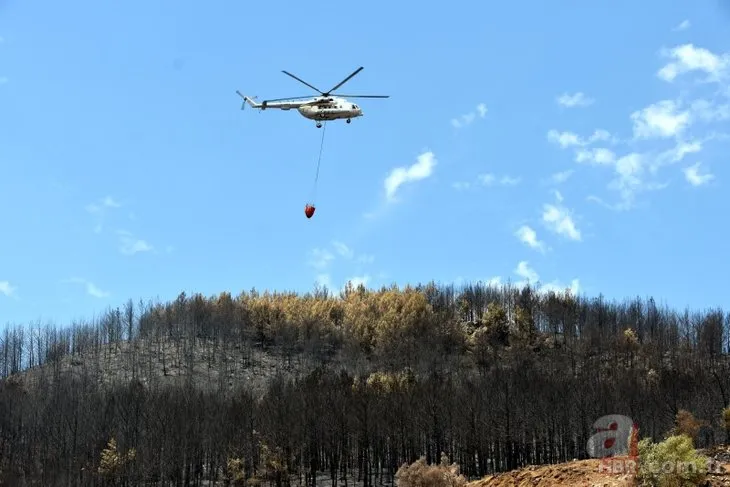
496,324
235,473
630,345
112,465
524,325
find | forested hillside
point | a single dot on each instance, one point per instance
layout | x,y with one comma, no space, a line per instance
294,388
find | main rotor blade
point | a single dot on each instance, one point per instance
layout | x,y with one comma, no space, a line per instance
345,80
364,96
291,98
302,81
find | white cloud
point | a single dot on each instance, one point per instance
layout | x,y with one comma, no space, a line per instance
468,118
684,25
709,112
320,258
524,270
530,276
461,185
494,281
487,179
571,139
482,110
91,288
558,287
693,176
7,289
528,236
357,280
660,120
564,139
576,100
688,58
596,156
559,220
324,280
100,208
561,177
343,250
421,169
675,154
106,202
630,171
509,181
129,245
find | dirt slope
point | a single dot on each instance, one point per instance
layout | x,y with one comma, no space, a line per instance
579,473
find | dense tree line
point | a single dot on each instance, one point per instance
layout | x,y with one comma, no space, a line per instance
355,384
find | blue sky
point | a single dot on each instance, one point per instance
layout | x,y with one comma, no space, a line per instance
581,145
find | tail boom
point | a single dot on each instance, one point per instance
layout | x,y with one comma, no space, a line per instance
248,100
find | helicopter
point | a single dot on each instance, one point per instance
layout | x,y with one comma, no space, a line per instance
325,107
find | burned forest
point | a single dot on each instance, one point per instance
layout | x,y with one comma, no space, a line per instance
278,388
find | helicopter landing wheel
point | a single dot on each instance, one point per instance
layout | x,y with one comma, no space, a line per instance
348,120
319,125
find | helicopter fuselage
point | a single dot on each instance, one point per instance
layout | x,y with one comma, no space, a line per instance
337,109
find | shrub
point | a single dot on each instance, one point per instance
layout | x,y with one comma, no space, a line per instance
672,463
686,424
420,474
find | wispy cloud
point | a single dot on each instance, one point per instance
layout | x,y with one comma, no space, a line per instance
561,177
320,258
526,272
598,155
357,280
559,220
467,118
91,288
528,236
487,179
343,250
99,209
101,205
687,58
130,245
4,80
694,177
323,261
660,120
324,280
421,169
8,290
570,139
575,100
529,276
684,25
